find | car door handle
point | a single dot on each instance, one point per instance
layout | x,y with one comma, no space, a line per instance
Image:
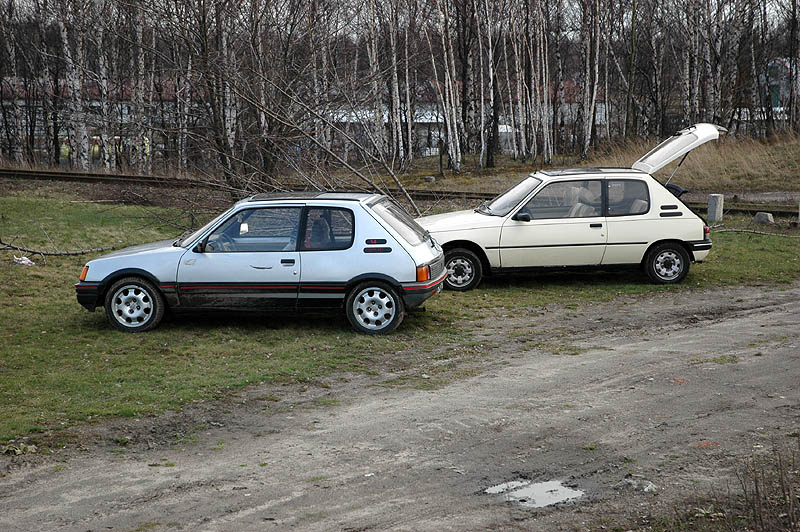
261,267
595,225
287,262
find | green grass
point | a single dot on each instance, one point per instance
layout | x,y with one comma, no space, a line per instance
60,365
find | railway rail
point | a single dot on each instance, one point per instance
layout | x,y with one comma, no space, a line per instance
415,193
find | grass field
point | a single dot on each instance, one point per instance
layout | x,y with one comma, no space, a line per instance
60,364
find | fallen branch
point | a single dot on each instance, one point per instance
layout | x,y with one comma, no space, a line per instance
6,247
755,232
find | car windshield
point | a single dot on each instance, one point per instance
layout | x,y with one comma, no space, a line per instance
192,236
400,221
502,204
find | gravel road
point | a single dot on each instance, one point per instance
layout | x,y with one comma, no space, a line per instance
670,389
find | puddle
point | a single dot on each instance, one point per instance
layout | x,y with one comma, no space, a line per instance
535,494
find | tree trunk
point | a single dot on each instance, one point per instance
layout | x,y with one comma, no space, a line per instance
79,140
9,76
514,150
631,75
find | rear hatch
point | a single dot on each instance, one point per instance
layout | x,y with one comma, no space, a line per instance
416,240
677,145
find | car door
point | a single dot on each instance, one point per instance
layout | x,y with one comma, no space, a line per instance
249,262
566,227
631,226
329,261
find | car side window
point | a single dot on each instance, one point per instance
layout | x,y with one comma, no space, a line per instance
254,230
627,197
328,228
566,199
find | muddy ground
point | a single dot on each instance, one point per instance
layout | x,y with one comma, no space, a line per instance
673,389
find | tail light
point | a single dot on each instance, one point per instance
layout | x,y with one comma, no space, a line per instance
706,230
423,273
83,273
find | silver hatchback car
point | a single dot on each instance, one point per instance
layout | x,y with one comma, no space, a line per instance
294,253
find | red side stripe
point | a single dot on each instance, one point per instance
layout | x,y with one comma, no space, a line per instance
424,286
234,287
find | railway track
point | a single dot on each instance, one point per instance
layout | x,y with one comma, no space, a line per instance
90,177
417,194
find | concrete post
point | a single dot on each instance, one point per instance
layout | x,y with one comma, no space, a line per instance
715,202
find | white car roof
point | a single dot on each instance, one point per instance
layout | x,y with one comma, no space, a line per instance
588,171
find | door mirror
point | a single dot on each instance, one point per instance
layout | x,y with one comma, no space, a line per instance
523,216
200,247
243,228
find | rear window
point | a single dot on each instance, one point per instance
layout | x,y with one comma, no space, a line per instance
400,221
328,228
667,149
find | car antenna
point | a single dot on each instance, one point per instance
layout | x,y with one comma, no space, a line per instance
676,168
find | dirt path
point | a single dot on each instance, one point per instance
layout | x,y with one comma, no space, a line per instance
671,389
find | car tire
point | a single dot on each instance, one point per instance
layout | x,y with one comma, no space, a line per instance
134,305
374,307
464,270
667,263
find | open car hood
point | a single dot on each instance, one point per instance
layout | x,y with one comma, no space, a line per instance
677,145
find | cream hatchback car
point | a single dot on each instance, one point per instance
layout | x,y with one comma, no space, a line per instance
580,218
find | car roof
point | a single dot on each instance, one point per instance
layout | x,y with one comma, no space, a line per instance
564,172
311,195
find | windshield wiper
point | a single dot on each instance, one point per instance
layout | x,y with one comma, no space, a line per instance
484,206
178,241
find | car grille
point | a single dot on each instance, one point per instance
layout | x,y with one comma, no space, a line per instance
437,267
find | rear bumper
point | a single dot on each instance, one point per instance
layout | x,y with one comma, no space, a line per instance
415,294
87,294
700,249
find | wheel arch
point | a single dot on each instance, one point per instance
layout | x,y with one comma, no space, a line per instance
657,243
373,276
113,277
473,247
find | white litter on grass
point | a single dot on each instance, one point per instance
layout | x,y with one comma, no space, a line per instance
23,261
535,495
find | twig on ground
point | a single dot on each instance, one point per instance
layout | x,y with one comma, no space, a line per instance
755,232
7,246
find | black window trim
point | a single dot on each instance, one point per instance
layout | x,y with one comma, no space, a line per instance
301,230
606,203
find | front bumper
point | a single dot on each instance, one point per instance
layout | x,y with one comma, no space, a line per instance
415,294
88,294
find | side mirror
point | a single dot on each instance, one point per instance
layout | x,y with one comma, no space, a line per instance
243,228
200,247
523,217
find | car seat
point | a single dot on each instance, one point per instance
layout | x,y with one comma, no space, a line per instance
320,237
581,210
